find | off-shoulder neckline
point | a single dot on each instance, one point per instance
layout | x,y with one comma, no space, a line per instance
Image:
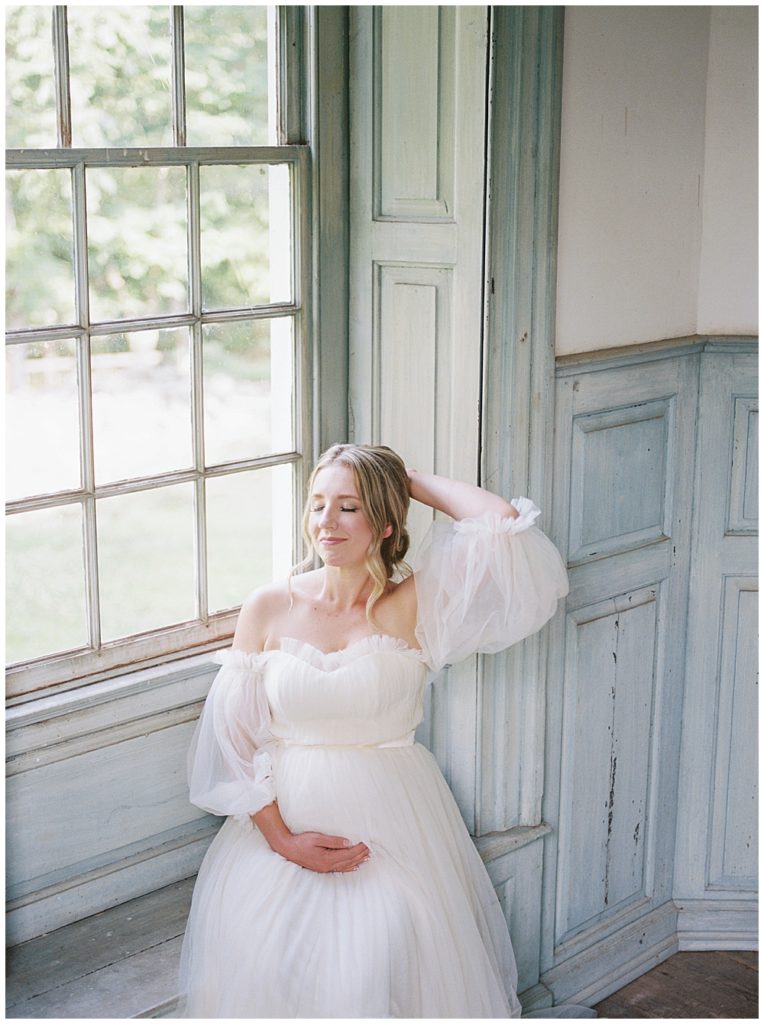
371,644
375,639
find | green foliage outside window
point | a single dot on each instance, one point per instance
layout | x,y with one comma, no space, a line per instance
137,224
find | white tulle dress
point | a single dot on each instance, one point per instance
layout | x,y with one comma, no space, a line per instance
417,931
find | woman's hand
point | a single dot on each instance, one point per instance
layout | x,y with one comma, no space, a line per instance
312,850
457,499
318,852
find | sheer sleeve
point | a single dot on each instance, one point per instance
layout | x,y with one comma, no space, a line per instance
483,584
229,764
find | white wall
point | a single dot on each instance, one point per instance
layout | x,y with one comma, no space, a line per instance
658,175
728,266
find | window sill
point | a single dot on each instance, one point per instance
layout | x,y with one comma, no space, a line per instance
89,708
80,671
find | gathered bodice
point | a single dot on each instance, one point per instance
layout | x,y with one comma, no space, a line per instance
369,694
481,585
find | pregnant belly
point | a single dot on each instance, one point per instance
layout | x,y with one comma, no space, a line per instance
382,796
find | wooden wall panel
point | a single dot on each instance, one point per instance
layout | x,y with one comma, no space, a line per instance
97,798
412,313
743,515
608,751
733,854
415,66
615,674
417,148
717,828
621,461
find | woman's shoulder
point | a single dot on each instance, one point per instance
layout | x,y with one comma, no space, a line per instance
260,609
397,610
269,597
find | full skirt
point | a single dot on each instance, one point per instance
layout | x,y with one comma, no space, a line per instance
416,931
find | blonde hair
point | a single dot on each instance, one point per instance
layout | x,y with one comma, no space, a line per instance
383,491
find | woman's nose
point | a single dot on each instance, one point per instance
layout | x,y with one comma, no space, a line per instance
326,518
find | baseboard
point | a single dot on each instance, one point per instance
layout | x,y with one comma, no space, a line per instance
597,971
718,924
536,998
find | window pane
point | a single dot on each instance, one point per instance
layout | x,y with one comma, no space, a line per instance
137,241
45,583
39,283
141,403
146,560
30,98
42,419
248,389
226,75
246,235
249,533
119,59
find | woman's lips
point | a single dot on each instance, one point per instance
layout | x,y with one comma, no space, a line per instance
331,541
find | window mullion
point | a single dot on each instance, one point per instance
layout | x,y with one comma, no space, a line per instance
87,454
90,540
286,71
178,79
61,77
197,386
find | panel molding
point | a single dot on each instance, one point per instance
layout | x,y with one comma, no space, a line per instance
735,734
743,511
588,468
590,766
414,170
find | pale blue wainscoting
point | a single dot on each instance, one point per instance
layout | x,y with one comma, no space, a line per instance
97,799
715,876
651,697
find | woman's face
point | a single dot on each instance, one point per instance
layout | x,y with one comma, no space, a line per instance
338,527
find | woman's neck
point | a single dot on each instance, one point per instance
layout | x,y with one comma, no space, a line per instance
344,590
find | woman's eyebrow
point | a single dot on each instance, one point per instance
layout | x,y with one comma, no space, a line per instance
353,496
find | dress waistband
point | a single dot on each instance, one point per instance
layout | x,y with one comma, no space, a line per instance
401,741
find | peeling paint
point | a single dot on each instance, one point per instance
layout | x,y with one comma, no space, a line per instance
611,805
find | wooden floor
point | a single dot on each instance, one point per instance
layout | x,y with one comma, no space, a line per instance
123,963
700,985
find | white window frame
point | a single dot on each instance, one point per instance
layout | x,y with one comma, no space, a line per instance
99,660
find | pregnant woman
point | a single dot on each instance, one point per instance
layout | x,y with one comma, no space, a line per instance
344,882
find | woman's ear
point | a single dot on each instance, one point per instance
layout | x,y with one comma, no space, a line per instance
387,532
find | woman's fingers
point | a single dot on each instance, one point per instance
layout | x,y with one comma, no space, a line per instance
346,858
319,852
332,842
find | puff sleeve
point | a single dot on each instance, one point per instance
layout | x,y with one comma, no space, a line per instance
484,584
229,764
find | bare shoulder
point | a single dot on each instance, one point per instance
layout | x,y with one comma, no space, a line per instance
405,594
397,611
260,609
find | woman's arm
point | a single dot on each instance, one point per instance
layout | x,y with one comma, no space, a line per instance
456,499
312,850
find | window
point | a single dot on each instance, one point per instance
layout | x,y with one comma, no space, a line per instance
156,321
